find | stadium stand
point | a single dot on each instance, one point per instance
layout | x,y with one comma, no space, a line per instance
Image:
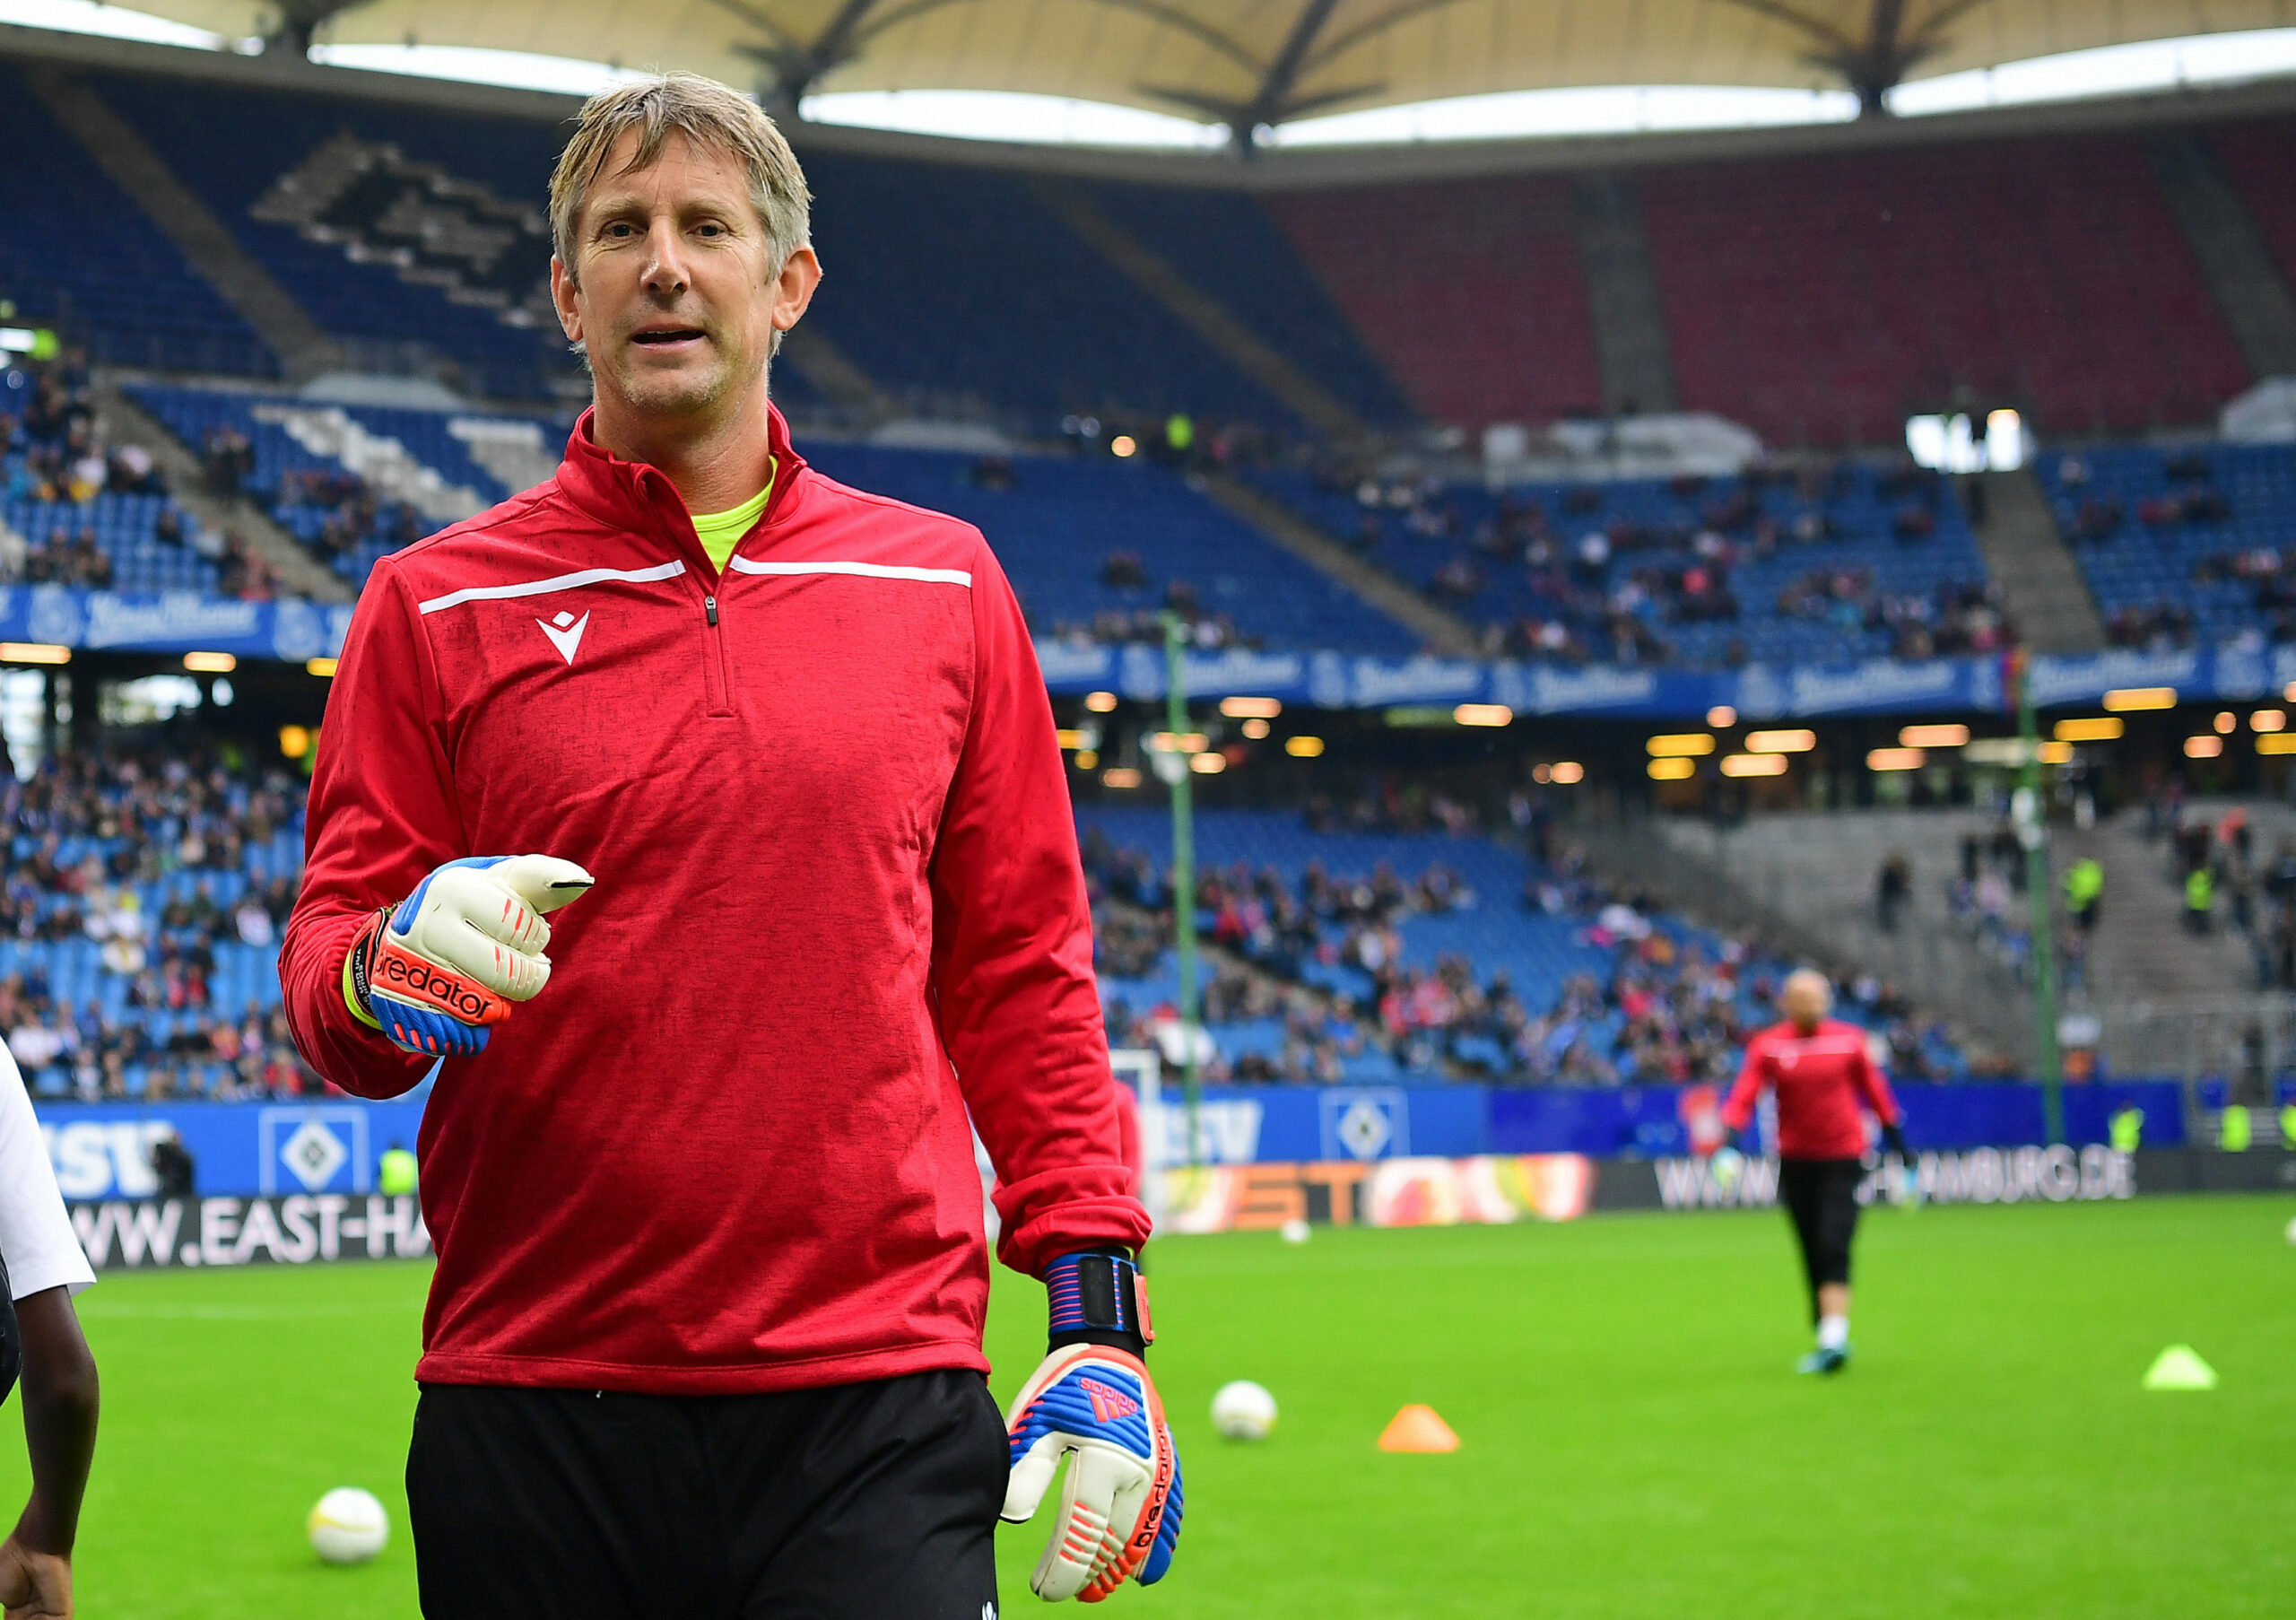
79,256
146,892
2196,543
1226,245
1818,565
1096,547
956,288
147,885
352,482
2260,161
1444,954
77,510
1824,300
404,233
1498,326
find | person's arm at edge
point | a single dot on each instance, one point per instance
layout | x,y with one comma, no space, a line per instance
1019,1011
1738,1107
61,1396
1874,1085
381,814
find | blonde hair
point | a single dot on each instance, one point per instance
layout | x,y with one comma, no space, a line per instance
709,115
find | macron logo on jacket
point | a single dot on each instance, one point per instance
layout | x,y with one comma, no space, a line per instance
565,634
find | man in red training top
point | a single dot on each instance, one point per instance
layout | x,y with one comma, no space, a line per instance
1822,1072
704,1341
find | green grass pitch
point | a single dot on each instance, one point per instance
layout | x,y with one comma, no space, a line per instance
1635,1444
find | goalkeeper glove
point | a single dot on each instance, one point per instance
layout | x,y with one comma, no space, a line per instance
1093,1402
1894,1141
436,973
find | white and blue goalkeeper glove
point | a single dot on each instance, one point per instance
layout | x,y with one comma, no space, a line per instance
1094,1402
437,971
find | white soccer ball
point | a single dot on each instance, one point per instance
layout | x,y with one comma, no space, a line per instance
348,1526
1243,1410
1294,1231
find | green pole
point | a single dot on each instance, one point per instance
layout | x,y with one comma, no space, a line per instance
2033,830
1173,765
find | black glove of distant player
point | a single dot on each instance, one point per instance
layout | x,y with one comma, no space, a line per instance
1894,1141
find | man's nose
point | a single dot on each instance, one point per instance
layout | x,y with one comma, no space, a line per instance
665,266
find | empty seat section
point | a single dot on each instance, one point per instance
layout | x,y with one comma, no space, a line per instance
1824,300
76,253
1225,245
1469,293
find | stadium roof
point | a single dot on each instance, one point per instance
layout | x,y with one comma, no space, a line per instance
1250,63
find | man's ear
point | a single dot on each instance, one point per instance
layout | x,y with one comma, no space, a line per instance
563,293
801,273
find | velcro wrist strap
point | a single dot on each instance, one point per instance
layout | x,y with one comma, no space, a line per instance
1098,1293
401,975
355,970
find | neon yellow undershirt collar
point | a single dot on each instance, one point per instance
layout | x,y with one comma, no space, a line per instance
720,532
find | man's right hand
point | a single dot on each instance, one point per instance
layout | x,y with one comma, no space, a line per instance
436,973
34,1586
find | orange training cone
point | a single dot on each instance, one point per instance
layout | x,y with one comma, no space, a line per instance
1417,1428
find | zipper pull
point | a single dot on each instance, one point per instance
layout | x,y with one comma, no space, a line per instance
709,607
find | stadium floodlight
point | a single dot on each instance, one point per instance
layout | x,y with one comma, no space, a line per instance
1120,775
1684,744
2281,742
1780,742
1672,768
322,667
294,741
1179,742
1068,739
1721,717
2268,719
1484,714
1257,730
1251,709
210,663
1303,747
1754,764
2226,722
1100,703
2207,745
2104,728
33,652
1568,771
1122,446
2004,441
1088,759
2055,753
2124,700
1933,737
1207,765
1895,759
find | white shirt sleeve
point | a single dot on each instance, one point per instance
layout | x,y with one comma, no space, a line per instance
36,1236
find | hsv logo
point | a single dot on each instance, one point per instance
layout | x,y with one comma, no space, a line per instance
1108,1405
565,632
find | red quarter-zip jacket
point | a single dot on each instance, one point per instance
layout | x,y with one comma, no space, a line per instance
1820,1079
838,906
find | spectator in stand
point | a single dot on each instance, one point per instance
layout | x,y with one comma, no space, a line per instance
1893,888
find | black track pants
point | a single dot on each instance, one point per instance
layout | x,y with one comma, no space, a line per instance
1821,1194
860,1501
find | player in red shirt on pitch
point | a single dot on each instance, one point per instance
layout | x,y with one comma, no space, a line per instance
704,1341
1820,1070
